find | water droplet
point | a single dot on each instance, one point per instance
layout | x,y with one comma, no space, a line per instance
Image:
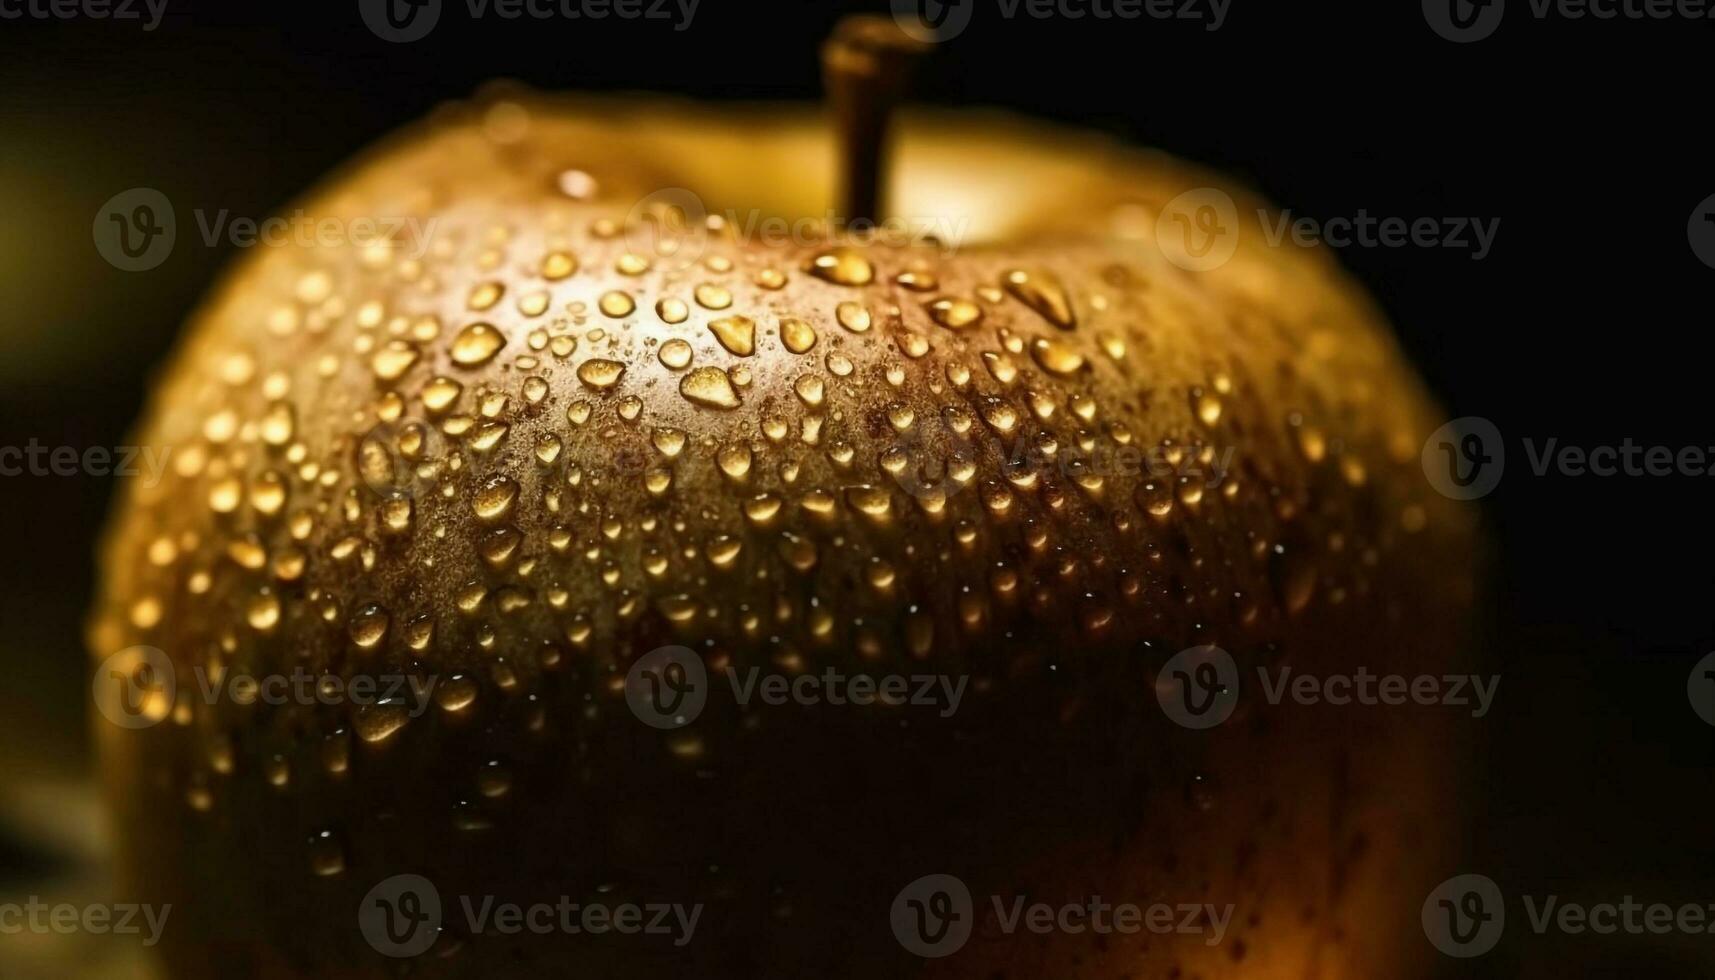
734,460
1207,405
675,355
476,344
558,265
440,395
853,316
499,544
376,723
368,626
842,267
736,333
263,612
327,855
709,387
493,500
797,335
917,280
600,373
1056,357
672,310
954,313
617,303
1042,292
712,297
810,389
393,359
485,295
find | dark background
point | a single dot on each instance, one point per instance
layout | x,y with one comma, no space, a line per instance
1585,323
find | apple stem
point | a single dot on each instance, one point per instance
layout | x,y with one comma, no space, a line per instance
866,66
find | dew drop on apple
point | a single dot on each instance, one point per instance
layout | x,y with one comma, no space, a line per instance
736,333
600,373
368,626
955,313
327,854
455,694
842,267
476,344
675,355
709,387
378,722
494,498
1042,292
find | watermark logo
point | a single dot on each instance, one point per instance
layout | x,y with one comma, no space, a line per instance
669,227
135,687
667,688
134,230
138,688
1464,21
933,916
1464,916
400,21
1700,230
933,21
938,20
930,469
1700,688
1198,687
401,917
1199,230
1464,458
404,21
672,228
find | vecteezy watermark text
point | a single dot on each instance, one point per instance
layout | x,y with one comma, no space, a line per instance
943,20
1465,458
1199,688
138,688
147,11
1365,230
35,459
674,226
1200,230
1465,916
668,688
1464,21
401,917
403,21
135,230
934,916
37,917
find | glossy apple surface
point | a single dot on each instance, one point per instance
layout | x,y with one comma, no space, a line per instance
1040,455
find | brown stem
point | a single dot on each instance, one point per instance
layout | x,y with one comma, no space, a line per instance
866,66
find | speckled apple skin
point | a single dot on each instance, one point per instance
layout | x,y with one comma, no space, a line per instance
1055,589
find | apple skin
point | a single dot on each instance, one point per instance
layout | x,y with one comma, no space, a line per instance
1057,595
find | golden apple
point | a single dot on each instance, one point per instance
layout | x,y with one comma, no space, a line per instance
549,426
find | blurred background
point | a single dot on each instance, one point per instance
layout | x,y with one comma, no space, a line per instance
1584,323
